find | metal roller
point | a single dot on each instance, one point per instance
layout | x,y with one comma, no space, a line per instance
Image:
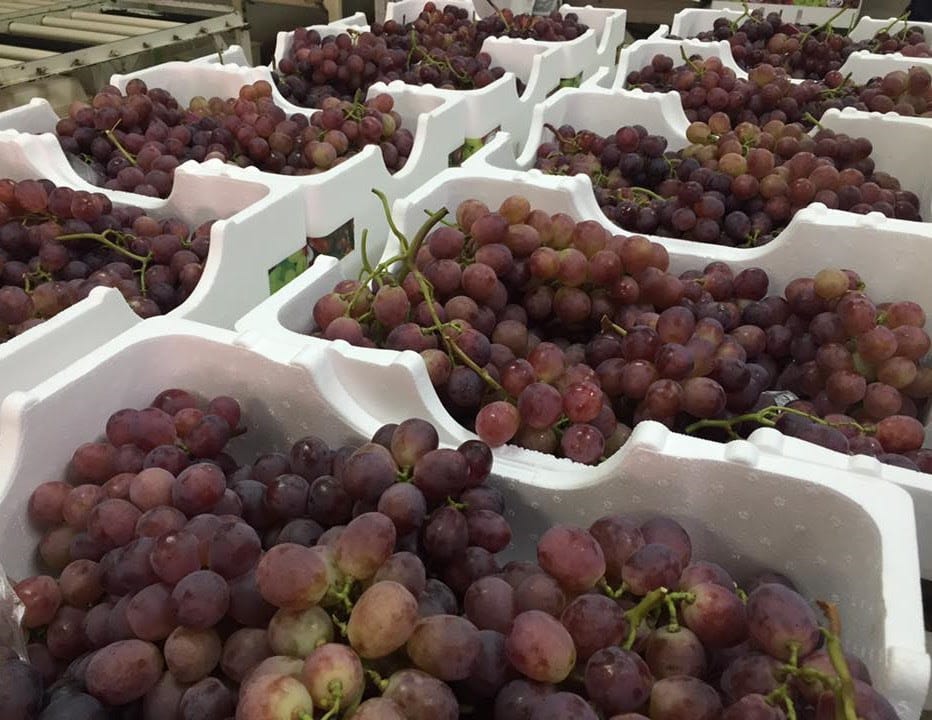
104,27
21,53
124,20
82,37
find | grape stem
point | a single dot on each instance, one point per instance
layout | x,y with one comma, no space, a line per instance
610,327
832,634
823,26
403,241
336,693
782,695
650,602
341,626
343,594
103,240
766,416
902,18
673,625
609,590
119,146
377,680
695,68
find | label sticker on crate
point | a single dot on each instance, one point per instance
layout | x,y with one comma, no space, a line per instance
287,270
570,82
338,243
469,148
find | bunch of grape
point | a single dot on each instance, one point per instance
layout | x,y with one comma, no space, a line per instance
736,187
440,48
804,51
559,337
134,142
706,87
58,244
362,583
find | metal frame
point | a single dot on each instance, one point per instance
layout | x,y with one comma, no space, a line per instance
215,19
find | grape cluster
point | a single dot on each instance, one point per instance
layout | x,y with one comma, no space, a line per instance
706,87
559,337
58,244
733,186
805,51
362,583
440,47
134,142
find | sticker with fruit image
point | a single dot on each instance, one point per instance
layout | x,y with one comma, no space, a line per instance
470,147
570,82
288,269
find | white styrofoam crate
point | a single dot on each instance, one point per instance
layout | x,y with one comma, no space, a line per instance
839,537
582,56
867,27
498,105
860,242
257,227
692,21
408,10
861,66
898,141
330,199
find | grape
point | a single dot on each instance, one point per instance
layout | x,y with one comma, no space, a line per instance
539,647
540,592
242,651
46,503
619,538
594,622
273,697
330,664
753,707
489,604
198,488
41,597
617,680
150,613
298,632
291,576
365,544
192,654
175,555
378,709
446,646
675,651
716,615
201,599
123,671
421,697
78,706
369,472
382,619
405,568
651,567
683,696
572,556
20,689
778,617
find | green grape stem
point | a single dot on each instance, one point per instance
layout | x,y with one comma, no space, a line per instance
119,146
377,680
766,416
826,25
782,695
335,688
845,693
610,327
649,603
695,68
103,240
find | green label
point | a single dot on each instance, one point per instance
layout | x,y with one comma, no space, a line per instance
571,82
470,147
287,270
338,243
